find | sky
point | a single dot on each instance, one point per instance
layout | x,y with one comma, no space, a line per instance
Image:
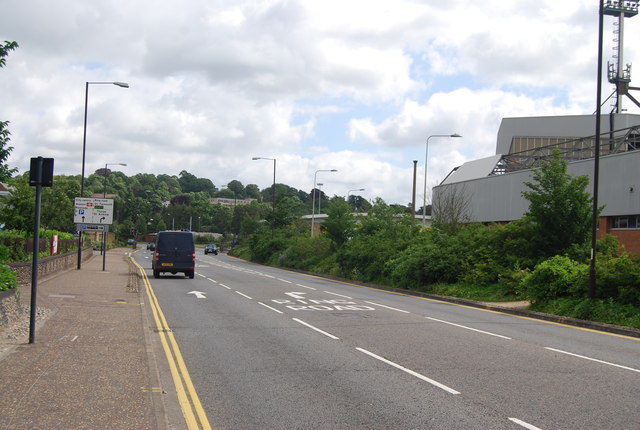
358,86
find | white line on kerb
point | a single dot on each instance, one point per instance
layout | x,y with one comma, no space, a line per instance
388,307
524,424
593,359
469,328
304,286
244,295
339,295
410,372
269,307
316,329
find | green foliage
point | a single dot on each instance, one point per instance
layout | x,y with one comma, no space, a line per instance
619,278
560,208
7,278
559,276
340,224
306,253
602,310
5,149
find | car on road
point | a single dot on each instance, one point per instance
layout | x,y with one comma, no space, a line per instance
151,246
175,252
131,242
211,248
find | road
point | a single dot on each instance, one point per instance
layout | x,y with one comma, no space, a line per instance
267,348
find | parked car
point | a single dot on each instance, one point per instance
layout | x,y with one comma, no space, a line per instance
175,252
211,249
131,242
151,246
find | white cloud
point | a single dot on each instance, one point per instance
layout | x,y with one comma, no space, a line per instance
359,85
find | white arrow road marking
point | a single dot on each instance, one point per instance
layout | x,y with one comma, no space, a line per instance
198,294
296,295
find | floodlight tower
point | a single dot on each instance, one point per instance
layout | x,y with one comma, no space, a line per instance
620,74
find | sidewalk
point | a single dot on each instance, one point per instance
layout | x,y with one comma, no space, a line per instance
90,366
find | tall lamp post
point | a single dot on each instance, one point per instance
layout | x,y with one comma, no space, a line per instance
313,199
104,193
426,159
273,192
355,209
84,149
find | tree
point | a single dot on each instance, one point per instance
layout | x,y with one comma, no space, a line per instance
5,149
340,224
559,207
451,207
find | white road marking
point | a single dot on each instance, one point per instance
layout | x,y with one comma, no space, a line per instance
316,329
593,359
269,307
212,280
198,294
339,295
223,285
410,372
388,307
304,286
284,280
524,424
469,328
244,295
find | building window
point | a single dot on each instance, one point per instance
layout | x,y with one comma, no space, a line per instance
626,222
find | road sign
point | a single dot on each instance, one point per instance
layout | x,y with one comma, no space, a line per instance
93,211
93,227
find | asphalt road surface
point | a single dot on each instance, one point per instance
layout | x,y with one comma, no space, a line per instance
267,348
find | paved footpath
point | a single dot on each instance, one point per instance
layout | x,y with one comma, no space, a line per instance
91,366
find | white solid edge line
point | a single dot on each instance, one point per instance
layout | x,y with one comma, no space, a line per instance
593,359
409,371
269,307
389,307
244,295
316,329
525,424
469,328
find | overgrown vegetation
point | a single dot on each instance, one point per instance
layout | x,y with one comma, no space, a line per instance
521,260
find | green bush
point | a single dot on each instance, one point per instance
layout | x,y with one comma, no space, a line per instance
556,277
7,278
606,311
619,278
305,252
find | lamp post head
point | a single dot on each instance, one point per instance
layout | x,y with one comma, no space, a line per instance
456,135
255,158
333,170
121,84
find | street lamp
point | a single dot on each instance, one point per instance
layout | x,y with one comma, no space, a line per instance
84,150
313,199
319,186
424,196
104,193
354,203
273,191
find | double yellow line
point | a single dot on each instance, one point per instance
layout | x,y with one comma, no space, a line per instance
189,401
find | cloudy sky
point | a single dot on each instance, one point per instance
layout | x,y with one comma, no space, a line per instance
352,85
